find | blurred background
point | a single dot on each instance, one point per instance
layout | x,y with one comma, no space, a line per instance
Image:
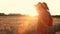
15,12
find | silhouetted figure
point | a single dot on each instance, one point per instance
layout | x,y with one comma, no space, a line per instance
44,18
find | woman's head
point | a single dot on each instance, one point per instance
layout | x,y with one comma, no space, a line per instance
44,5
41,5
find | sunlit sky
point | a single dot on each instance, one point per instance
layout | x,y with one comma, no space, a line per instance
27,6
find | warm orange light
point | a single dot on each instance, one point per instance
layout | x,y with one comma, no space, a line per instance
31,11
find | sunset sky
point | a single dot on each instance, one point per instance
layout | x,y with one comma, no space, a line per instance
27,6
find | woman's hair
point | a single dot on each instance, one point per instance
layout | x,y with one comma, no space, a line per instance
45,5
42,4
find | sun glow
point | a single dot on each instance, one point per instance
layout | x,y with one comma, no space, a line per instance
29,9
18,6
31,12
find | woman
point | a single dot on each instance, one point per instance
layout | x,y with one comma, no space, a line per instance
44,18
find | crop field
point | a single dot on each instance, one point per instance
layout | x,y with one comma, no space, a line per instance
12,24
